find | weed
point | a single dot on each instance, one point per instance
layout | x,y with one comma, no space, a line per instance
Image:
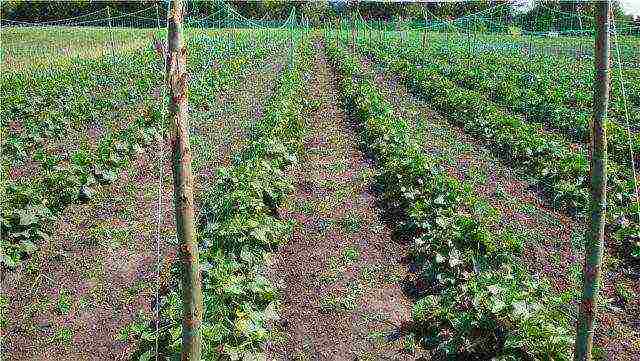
500,193
342,303
625,292
4,305
63,335
308,207
577,240
337,167
477,175
64,302
351,254
333,271
351,223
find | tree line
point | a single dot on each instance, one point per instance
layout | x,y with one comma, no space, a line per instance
543,15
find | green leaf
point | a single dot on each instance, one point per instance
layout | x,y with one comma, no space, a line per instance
260,234
455,258
497,306
27,217
442,222
8,261
145,356
27,247
521,310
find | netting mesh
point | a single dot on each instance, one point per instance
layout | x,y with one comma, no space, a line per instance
107,63
83,96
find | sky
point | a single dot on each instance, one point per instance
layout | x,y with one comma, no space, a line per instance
631,6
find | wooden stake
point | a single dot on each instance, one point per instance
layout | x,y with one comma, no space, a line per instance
157,17
110,30
338,29
176,68
594,247
424,32
353,35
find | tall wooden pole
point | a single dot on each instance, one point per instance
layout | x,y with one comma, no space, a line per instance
424,31
176,67
353,34
110,30
597,209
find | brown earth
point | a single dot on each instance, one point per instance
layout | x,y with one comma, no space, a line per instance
341,273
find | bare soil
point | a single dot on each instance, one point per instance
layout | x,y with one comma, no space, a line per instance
342,272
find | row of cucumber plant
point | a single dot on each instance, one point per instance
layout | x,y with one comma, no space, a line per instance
558,168
564,79
46,110
540,99
479,300
239,226
48,159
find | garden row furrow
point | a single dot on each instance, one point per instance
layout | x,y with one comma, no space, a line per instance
479,299
560,169
239,226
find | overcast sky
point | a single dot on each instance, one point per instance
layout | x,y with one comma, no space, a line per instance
631,6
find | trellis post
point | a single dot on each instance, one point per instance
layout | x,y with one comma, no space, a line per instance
338,29
469,42
594,247
424,31
353,34
176,68
110,30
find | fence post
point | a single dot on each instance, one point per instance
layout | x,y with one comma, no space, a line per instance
338,28
157,16
424,31
353,35
192,307
110,30
594,247
469,42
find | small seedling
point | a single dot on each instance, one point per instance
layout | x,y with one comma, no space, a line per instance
351,254
64,302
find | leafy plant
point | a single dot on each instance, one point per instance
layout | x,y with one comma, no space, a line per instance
239,225
476,298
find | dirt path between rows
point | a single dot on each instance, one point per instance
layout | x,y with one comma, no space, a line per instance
341,273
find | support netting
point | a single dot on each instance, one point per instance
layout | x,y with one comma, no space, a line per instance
86,96
98,80
534,74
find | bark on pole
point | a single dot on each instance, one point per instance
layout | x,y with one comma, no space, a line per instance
176,67
595,235
353,34
424,31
